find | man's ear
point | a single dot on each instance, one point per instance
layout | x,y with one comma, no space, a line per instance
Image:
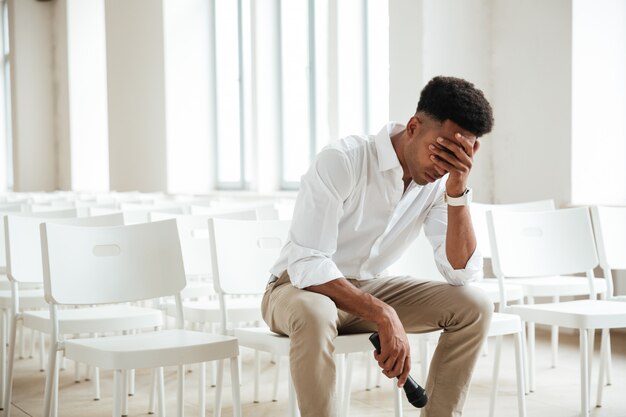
413,125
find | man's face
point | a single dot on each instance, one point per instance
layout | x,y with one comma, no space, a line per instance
417,152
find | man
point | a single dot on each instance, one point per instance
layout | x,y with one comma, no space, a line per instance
362,202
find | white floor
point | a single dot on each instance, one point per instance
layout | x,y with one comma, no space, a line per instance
557,393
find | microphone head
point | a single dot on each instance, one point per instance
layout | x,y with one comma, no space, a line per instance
415,394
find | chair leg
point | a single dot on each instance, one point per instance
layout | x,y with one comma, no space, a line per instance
31,345
424,355
55,385
368,372
584,382
131,382
340,361
124,394
276,380
525,359
202,389
161,395
21,338
603,365
3,355
11,359
234,375
153,385
519,373
531,356
96,383
345,401
217,404
118,392
257,372
180,396
494,378
42,352
50,376
608,359
554,338
397,400
76,372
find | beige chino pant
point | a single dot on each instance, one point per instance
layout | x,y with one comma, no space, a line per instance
312,321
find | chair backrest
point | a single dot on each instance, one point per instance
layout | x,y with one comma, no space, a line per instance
418,261
479,218
98,265
136,215
193,231
609,225
263,212
23,245
243,251
545,243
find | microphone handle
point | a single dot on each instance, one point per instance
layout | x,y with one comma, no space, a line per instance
415,394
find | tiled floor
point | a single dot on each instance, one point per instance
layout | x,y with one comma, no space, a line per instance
557,393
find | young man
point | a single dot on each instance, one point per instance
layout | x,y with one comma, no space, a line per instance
362,202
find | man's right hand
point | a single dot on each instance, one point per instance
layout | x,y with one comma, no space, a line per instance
395,352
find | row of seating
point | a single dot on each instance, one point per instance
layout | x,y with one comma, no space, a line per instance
231,241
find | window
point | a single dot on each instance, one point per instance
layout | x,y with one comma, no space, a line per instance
6,135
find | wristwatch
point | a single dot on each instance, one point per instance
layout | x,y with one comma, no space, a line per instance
464,200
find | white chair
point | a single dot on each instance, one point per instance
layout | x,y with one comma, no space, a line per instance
553,287
539,244
108,265
419,262
23,266
609,226
242,254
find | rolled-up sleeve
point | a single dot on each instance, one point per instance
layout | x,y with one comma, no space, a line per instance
315,223
435,228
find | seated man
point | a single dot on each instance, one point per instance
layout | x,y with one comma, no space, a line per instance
361,203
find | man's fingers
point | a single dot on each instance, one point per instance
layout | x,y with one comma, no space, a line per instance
405,372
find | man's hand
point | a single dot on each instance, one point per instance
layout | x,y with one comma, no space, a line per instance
456,157
395,352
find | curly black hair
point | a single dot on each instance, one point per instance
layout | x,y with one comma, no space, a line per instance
458,100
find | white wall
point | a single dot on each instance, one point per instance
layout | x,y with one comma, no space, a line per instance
599,102
136,94
32,86
531,72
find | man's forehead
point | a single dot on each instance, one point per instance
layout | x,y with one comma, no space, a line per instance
450,128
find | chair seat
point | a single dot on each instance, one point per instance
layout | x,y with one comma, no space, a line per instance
207,311
580,314
490,286
152,349
95,319
263,339
558,285
503,324
29,299
197,289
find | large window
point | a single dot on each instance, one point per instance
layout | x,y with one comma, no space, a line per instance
6,136
332,80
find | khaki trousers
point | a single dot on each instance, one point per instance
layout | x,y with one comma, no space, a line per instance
312,321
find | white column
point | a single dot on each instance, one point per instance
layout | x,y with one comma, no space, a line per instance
136,94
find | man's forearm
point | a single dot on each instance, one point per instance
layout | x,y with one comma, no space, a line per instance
460,237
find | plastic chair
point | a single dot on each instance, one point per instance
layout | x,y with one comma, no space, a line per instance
23,251
109,265
554,287
609,226
242,254
538,244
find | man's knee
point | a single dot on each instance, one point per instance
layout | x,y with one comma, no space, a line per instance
477,306
315,315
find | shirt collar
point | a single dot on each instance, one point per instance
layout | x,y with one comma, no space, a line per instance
387,157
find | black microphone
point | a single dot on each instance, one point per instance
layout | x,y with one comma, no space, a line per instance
414,393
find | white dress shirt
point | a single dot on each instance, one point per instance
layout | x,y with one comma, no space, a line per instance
352,219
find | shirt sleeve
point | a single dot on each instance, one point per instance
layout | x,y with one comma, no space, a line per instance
435,227
315,223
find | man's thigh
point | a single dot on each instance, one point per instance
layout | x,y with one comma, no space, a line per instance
285,307
422,306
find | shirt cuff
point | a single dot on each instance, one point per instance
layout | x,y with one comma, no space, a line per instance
473,269
313,271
